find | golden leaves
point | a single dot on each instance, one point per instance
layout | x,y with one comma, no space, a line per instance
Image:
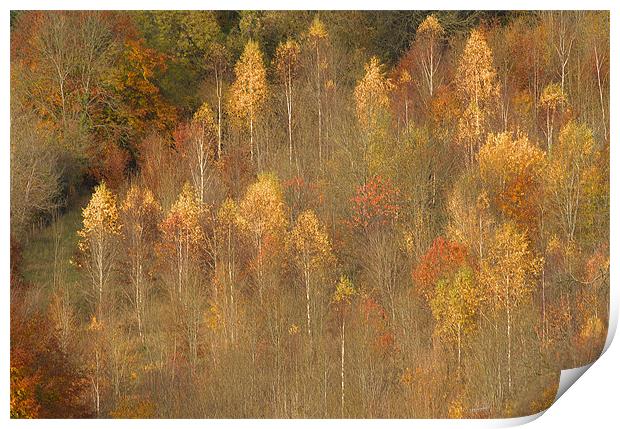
552,96
309,242
317,29
262,211
372,95
509,269
140,201
430,26
100,216
455,303
512,171
573,174
476,76
477,87
249,90
183,220
204,116
287,59
344,291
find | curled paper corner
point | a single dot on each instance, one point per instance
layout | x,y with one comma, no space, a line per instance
568,377
517,421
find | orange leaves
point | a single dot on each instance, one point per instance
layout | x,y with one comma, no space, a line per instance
442,259
512,170
43,381
376,204
134,80
109,163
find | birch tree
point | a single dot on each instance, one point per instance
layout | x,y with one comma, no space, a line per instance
570,171
478,89
342,299
140,214
551,99
249,90
508,274
99,241
286,64
202,140
311,249
263,219
454,306
318,36
429,37
218,59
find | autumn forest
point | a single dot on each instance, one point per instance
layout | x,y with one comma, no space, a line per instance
299,214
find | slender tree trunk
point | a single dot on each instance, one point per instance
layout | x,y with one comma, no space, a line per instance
307,281
96,387
289,106
600,89
342,370
508,326
458,336
251,138
318,85
218,89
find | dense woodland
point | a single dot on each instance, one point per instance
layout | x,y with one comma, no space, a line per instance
306,214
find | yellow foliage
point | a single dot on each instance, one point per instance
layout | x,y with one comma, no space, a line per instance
317,29
455,304
249,90
456,409
95,325
372,95
430,26
477,88
344,291
512,170
572,175
213,318
183,220
262,212
100,217
509,268
592,328
309,242
287,59
204,116
293,329
552,96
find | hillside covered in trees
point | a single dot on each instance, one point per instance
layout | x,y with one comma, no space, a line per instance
295,214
